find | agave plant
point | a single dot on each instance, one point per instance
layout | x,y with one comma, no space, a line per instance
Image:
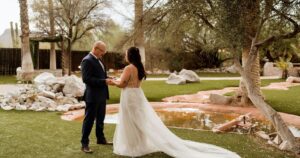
283,64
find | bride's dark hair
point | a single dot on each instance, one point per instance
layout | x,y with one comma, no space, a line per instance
134,57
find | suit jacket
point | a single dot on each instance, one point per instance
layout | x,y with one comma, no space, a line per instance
94,77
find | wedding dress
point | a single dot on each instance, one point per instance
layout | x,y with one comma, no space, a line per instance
140,131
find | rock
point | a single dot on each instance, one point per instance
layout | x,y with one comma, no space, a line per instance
77,106
231,69
35,106
74,86
14,94
271,70
61,100
239,121
21,107
22,99
292,79
63,108
48,94
19,73
189,75
41,87
43,77
270,142
57,87
226,126
175,79
69,95
294,71
48,88
51,109
284,145
7,108
41,109
46,102
220,99
277,140
263,135
60,94
53,81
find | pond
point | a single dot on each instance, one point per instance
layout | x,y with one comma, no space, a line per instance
192,118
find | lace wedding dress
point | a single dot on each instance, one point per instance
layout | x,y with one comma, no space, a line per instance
140,131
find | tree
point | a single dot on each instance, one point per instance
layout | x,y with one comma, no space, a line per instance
139,28
14,33
52,33
240,25
113,34
243,21
27,66
74,20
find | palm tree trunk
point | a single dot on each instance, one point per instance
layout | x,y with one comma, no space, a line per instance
254,93
254,74
52,34
27,66
139,28
249,23
272,115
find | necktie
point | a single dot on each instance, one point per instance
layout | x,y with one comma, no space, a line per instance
101,63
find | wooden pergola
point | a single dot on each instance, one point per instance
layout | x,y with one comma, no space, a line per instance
36,38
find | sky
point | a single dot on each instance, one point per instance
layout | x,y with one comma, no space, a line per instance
121,12
9,11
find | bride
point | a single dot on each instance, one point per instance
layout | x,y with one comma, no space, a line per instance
140,130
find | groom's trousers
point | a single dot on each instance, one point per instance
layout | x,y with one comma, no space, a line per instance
93,111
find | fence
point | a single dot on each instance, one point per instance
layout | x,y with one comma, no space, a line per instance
10,59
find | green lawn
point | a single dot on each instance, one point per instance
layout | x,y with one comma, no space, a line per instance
43,134
8,80
201,74
26,134
284,101
157,90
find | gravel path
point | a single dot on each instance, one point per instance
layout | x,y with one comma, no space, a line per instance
214,78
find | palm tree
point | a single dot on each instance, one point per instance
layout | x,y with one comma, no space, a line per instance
27,66
52,33
139,28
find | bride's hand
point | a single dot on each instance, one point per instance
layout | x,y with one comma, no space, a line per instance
116,82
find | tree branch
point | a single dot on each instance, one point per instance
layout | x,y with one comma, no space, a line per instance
83,33
93,6
283,36
205,20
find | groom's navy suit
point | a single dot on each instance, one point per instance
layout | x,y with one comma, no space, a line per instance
95,95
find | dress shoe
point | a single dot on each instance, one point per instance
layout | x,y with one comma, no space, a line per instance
104,142
86,149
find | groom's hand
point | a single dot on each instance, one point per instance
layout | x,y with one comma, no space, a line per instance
109,82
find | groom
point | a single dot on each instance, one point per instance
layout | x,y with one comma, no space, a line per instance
95,78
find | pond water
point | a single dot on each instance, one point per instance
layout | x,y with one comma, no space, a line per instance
191,118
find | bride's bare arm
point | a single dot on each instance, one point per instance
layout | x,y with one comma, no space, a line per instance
124,78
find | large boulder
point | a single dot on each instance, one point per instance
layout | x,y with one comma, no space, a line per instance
292,79
231,69
220,99
47,94
189,75
73,86
271,70
43,78
175,79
